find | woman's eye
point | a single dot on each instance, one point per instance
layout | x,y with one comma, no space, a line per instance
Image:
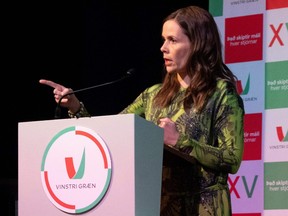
172,40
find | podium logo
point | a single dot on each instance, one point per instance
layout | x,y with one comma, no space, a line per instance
76,169
71,169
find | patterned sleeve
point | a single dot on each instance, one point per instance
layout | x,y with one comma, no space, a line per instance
82,112
225,152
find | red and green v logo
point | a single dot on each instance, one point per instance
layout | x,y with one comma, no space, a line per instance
240,89
70,168
280,134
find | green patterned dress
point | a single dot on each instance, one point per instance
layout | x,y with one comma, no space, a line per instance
213,137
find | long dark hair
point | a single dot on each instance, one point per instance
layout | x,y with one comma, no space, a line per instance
205,64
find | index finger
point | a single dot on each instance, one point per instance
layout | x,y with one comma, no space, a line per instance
50,83
165,119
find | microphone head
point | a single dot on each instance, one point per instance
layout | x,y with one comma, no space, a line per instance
130,72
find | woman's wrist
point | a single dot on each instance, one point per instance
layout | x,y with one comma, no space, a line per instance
81,112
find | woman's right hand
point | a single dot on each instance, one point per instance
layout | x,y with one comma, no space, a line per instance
171,134
70,101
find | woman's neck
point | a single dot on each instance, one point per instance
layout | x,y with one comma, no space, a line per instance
183,80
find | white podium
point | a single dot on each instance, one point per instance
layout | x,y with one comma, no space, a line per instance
104,166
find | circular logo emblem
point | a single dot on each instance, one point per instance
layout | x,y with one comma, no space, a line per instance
76,169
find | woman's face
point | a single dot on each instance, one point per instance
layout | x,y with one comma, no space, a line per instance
176,47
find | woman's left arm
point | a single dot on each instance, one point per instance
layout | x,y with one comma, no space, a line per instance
228,131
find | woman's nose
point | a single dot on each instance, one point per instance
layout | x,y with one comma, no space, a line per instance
163,48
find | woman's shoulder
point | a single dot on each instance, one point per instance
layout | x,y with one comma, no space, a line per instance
226,89
223,84
153,88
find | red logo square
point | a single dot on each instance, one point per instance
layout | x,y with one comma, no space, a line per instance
244,38
252,136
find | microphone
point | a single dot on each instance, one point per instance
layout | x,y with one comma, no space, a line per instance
129,73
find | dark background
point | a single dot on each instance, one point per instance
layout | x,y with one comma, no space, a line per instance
77,44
